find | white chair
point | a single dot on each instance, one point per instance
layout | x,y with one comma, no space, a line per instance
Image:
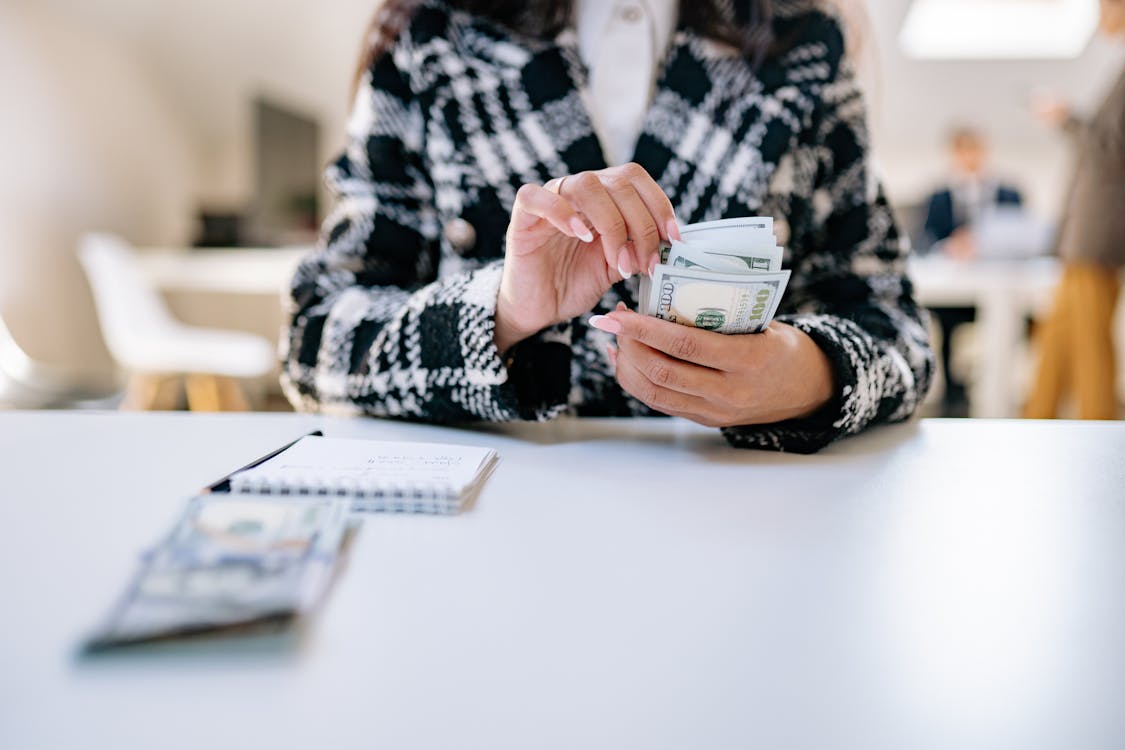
28,384
158,350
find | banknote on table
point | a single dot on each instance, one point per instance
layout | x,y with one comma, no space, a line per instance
725,276
231,564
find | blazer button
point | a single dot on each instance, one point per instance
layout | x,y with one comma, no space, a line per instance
461,235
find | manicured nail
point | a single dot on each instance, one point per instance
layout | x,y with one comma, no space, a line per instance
581,231
612,353
622,306
652,265
625,263
674,231
609,325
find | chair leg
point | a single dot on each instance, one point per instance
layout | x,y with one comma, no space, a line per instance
152,393
209,393
231,395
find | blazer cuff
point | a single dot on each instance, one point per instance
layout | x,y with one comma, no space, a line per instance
539,380
534,375
851,352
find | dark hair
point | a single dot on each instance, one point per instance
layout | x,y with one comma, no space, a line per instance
745,24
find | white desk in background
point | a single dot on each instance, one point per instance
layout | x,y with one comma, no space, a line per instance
631,584
264,271
1004,293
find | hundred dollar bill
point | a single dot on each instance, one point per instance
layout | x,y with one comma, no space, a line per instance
748,233
644,293
721,302
724,276
231,564
710,258
750,236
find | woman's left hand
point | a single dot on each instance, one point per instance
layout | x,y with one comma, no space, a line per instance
719,380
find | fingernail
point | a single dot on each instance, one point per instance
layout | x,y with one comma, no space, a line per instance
652,265
674,231
622,306
609,325
625,264
612,355
581,231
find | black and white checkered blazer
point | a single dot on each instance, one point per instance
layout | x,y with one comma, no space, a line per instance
393,314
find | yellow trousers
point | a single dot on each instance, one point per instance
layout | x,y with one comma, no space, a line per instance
1076,346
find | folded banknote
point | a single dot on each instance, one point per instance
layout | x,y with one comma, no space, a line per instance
724,276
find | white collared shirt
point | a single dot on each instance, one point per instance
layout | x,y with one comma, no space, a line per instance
622,43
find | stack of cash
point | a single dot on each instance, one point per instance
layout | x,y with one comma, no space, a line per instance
231,564
724,276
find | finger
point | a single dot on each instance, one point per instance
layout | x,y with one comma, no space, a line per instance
534,203
664,400
645,235
674,374
699,411
654,197
587,193
694,345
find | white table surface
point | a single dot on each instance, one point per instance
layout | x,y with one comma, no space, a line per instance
943,584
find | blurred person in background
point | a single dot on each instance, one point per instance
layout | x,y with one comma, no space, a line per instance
972,192
1076,352
513,164
954,213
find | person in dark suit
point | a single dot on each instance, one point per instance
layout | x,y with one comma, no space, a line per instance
954,210
944,218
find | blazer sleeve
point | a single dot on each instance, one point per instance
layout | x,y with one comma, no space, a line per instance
372,328
851,292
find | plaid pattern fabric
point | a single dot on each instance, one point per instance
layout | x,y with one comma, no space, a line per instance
393,314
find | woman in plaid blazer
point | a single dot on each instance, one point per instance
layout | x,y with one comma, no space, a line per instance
477,225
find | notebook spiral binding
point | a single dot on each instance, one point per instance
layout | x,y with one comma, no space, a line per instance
365,496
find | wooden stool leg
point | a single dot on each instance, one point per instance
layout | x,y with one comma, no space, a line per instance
231,395
202,393
149,392
215,393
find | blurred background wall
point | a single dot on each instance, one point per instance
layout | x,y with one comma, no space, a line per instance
915,102
91,137
132,116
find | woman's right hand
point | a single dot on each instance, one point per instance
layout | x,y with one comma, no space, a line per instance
570,240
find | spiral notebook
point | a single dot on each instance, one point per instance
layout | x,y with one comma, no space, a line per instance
397,477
